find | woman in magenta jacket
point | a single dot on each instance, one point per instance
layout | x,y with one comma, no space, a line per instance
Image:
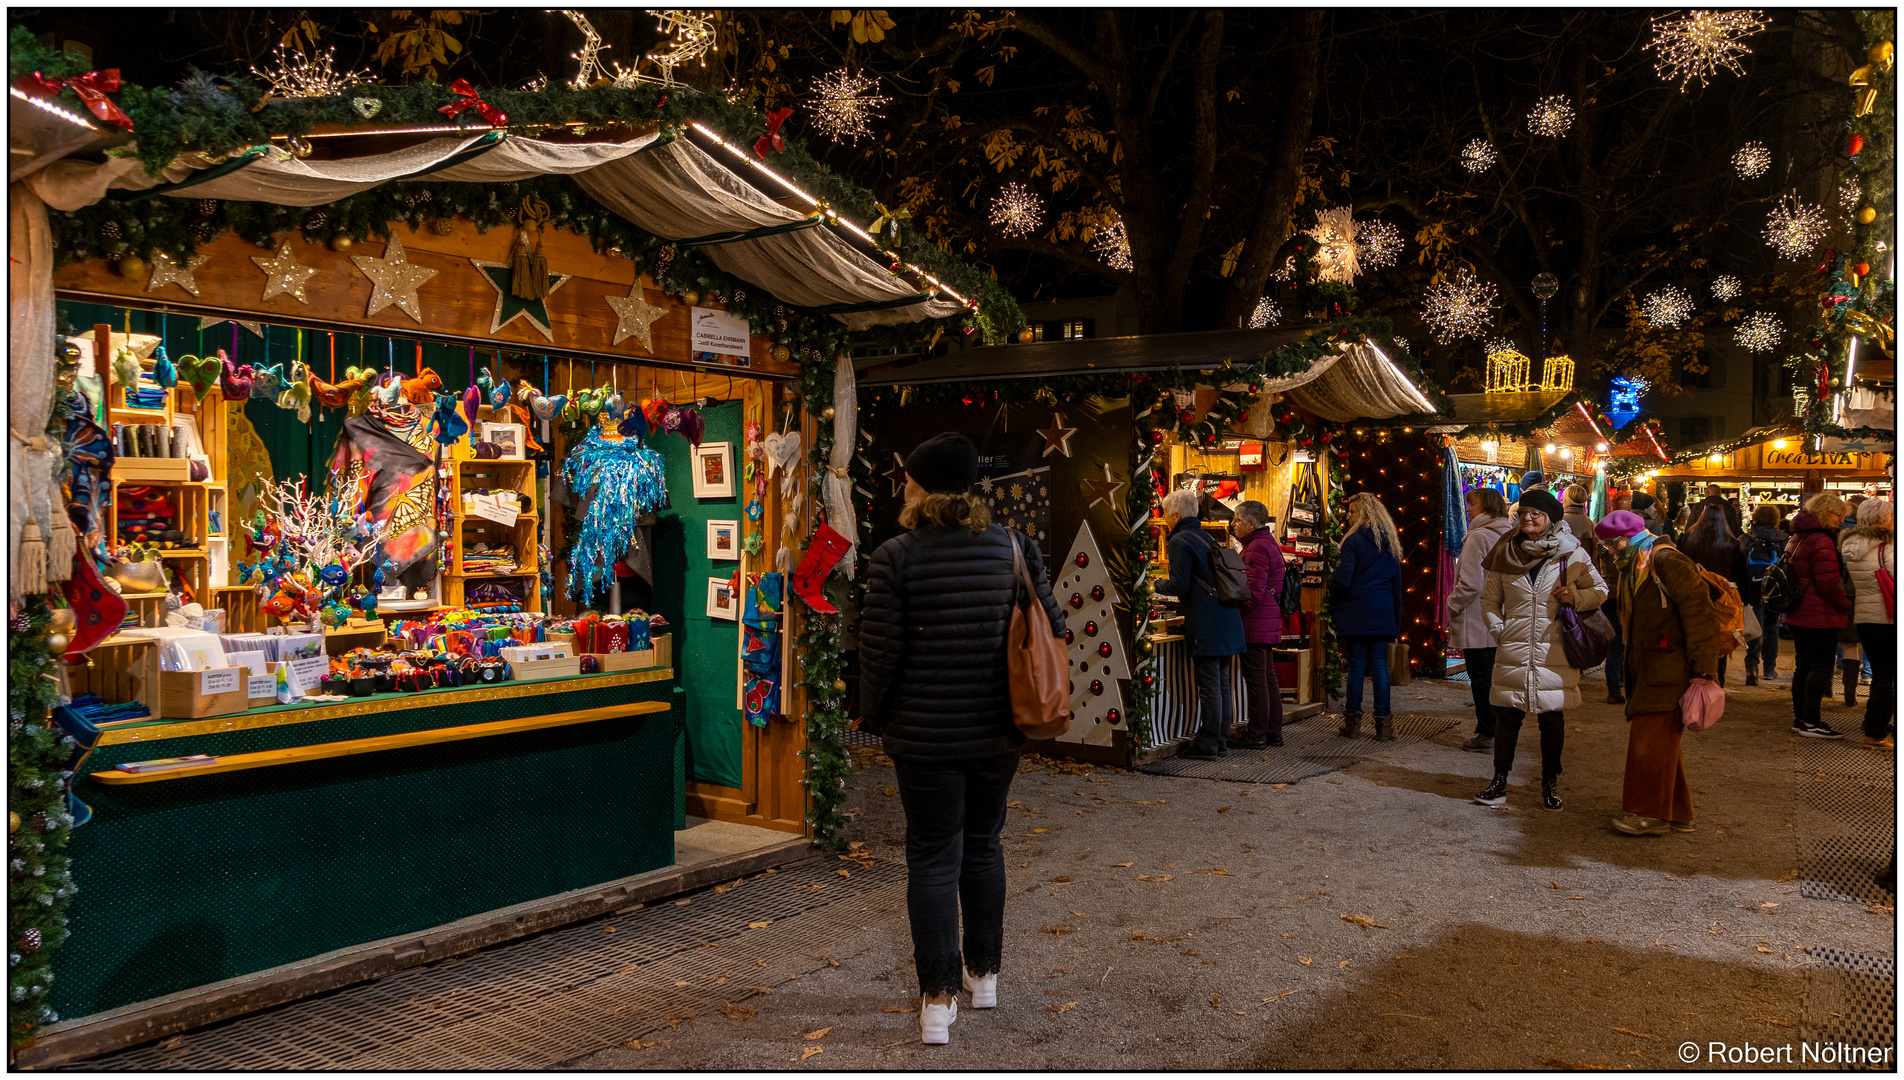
1820,613
1262,624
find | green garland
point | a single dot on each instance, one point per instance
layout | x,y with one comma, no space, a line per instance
1333,524
39,875
827,762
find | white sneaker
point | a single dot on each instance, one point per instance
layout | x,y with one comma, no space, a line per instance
935,1022
983,988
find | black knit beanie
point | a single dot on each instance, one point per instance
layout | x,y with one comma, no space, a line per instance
1643,502
1543,501
944,464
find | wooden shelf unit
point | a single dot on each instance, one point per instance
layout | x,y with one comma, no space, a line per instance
466,530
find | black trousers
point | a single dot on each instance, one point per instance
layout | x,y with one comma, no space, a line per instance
1813,653
1481,683
954,862
1265,697
1880,705
1507,732
1216,707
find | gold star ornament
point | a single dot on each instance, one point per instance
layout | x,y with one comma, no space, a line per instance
394,280
284,275
166,272
635,316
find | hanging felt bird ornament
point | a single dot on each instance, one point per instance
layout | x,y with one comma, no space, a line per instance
472,403
163,372
613,405
126,369
337,395
633,425
297,395
235,381
590,403
525,390
200,373
389,393
693,425
497,390
450,424
548,408
422,389
267,382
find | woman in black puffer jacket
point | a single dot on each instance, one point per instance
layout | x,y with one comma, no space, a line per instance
933,684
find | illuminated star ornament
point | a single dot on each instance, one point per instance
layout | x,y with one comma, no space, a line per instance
1551,116
393,280
1336,257
509,306
167,272
1759,332
1057,436
1112,244
1459,305
842,104
1726,287
1102,491
1753,160
296,77
1669,306
1696,45
1267,314
1017,211
284,275
1794,227
634,315
1478,156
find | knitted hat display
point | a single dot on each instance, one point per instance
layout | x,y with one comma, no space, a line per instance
1543,501
944,464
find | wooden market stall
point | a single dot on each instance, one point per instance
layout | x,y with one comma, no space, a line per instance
1775,465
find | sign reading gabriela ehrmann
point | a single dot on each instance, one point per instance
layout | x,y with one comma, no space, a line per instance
1816,1053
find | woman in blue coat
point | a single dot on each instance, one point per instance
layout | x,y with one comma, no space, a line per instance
1366,608
1215,632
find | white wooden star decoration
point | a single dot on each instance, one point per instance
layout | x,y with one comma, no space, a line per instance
1103,491
635,315
394,280
206,321
166,272
284,275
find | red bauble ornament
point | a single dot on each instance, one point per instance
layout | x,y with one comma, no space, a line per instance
1308,442
1077,601
1097,591
1097,686
1113,716
1854,144
1150,680
1083,560
1157,435
1243,417
1104,650
1864,269
1068,636
1325,440
1186,417
1090,629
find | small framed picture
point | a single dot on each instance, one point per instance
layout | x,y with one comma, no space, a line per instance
722,603
714,470
507,437
723,541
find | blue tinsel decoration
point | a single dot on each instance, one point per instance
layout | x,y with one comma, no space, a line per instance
631,475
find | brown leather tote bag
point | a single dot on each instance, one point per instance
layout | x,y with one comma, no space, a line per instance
1040,672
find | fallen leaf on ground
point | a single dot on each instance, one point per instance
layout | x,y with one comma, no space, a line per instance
674,1021
1336,782
1049,929
830,962
843,872
1880,911
1552,884
1154,877
820,1034
810,1051
758,925
1215,1002
1055,972
1576,896
637,1044
1405,956
890,790
1635,1034
1080,914
1362,920
900,1008
1768,903
1120,864
1276,997
1287,933
1213,870
608,929
738,1012
172,1043
680,903
722,980
1223,809
1063,879
1343,964
1306,959
1247,848
763,990
1064,1008
1279,785
718,889
682,982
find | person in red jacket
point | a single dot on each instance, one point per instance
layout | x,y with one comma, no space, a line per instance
1820,613
1262,624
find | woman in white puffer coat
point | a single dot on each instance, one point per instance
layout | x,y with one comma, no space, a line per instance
1531,572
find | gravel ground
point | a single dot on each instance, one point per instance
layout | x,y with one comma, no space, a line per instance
1373,918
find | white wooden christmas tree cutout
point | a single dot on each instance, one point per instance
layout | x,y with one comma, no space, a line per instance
1082,586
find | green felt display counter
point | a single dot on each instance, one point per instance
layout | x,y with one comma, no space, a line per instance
357,821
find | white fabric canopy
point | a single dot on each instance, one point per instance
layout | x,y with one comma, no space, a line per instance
1363,385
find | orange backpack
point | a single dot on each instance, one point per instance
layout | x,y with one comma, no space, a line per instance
1727,607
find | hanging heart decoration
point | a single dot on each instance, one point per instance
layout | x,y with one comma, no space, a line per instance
201,373
367,107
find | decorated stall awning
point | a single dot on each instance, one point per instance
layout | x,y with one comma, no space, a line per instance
674,190
1364,384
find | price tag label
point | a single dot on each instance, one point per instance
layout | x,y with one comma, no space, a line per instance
310,671
261,686
501,509
220,681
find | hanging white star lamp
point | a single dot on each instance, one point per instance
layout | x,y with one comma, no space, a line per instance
393,280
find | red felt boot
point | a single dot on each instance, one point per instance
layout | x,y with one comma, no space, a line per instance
823,554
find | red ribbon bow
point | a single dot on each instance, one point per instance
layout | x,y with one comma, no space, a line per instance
471,100
772,138
91,87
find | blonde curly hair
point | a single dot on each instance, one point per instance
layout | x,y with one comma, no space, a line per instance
1372,515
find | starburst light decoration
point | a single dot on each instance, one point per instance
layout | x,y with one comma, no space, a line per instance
1752,160
1380,244
1266,314
1848,194
1478,156
1337,257
1794,227
1112,244
1759,332
842,104
1669,306
1727,287
1507,372
1017,211
1696,45
1459,305
316,77
1551,116
1492,345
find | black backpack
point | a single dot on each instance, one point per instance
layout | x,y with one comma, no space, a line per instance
1761,554
1232,578
1781,591
1291,597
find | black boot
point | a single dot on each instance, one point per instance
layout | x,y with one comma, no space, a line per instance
1751,677
1496,793
1384,727
1548,798
1850,670
1351,725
